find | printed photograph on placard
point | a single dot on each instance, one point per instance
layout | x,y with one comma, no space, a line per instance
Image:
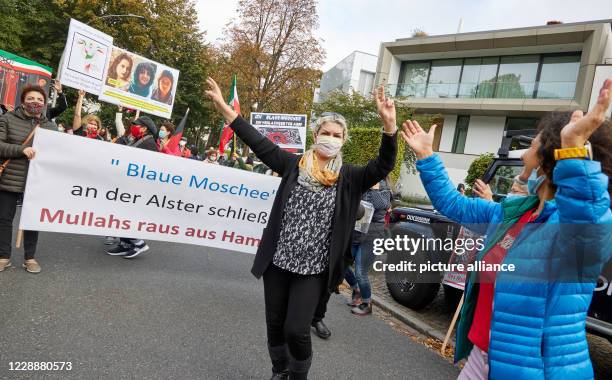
120,70
143,77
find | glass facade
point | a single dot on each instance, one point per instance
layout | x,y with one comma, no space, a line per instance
413,79
444,78
558,76
532,76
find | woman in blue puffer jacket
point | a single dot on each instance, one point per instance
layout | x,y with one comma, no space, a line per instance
530,323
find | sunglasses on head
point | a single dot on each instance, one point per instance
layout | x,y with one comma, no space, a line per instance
334,115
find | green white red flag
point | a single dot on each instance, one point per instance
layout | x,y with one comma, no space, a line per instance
227,132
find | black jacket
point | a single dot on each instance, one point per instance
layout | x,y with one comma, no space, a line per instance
352,183
147,142
60,106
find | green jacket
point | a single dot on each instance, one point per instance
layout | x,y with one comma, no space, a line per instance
15,127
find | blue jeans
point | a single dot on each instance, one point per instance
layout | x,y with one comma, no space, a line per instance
360,277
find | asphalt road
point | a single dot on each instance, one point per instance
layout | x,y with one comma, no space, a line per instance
178,311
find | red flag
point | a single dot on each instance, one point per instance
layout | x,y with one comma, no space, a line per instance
227,132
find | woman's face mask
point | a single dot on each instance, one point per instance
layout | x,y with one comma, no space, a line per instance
33,107
163,134
534,182
328,146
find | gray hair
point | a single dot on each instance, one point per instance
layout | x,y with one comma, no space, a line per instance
331,117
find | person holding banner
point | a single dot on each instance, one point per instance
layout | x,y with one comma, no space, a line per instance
306,243
528,322
143,135
16,132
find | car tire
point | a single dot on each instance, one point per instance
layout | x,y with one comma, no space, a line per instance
413,295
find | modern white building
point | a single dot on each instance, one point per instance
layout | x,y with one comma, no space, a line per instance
356,72
485,83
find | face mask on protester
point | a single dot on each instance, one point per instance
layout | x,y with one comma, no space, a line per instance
513,196
61,129
327,146
183,143
163,134
33,108
534,182
136,132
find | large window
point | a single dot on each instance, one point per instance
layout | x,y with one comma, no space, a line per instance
517,76
444,78
413,79
558,76
461,130
547,76
478,77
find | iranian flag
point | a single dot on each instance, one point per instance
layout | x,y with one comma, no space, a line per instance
227,132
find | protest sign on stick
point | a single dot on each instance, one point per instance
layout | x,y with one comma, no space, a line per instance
84,59
139,83
285,130
122,191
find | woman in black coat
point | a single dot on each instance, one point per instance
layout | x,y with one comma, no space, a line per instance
307,240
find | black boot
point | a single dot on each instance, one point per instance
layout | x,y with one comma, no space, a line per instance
321,330
298,369
280,362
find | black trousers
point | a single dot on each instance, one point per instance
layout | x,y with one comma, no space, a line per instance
8,207
291,300
322,306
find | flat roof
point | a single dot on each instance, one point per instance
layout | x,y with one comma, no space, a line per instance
605,21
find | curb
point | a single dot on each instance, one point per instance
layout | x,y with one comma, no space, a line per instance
410,320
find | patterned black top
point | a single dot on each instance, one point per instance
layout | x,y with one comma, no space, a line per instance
305,235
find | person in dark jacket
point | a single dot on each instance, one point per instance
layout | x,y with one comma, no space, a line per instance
144,136
303,249
15,126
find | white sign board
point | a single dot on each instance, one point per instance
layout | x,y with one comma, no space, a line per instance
129,192
602,72
138,83
85,55
288,131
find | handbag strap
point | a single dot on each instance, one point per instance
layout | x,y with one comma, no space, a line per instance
25,142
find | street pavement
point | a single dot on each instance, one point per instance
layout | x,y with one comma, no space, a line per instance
178,311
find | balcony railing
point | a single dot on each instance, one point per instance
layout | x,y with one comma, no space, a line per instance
484,90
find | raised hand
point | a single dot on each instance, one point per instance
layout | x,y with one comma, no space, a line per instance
214,93
81,93
385,108
420,141
483,190
58,86
581,127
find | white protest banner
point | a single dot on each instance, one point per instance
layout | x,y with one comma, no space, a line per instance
85,55
86,186
139,83
286,130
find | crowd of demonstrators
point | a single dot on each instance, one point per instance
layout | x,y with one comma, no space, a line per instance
563,192
16,129
302,253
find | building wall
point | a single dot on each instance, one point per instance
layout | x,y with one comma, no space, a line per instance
448,133
485,134
344,76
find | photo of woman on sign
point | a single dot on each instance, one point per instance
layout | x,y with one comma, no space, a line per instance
119,72
163,92
143,78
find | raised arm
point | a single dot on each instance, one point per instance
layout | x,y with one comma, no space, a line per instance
441,191
378,168
119,122
582,189
76,121
268,152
